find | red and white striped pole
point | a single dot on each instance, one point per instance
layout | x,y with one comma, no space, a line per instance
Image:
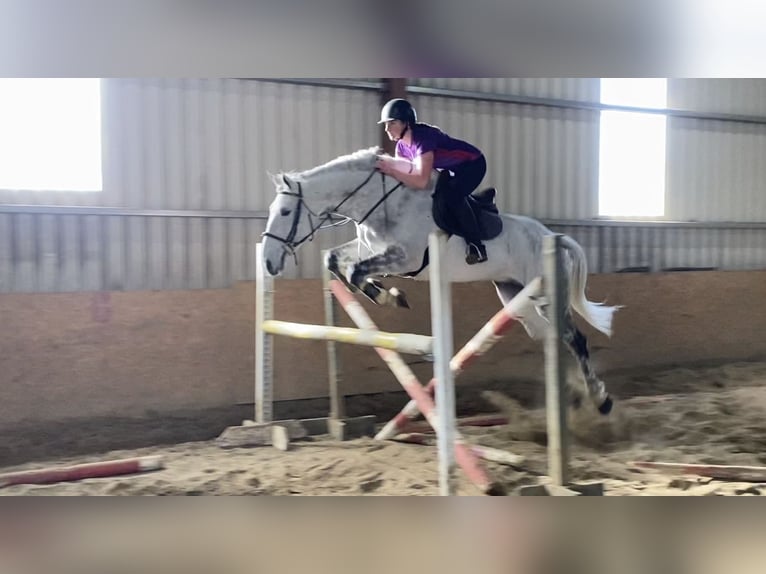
81,471
464,457
479,344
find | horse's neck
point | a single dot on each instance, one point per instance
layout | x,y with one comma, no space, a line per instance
330,191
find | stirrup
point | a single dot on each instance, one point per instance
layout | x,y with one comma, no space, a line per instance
476,253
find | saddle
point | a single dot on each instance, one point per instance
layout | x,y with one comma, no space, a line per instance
481,203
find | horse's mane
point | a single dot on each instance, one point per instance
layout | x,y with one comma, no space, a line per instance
363,159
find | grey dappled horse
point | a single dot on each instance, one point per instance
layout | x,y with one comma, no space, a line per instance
393,224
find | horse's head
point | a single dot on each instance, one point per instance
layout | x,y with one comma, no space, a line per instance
335,188
287,224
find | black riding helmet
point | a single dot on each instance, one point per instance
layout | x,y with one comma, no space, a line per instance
398,109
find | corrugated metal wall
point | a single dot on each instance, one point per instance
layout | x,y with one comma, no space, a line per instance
183,146
741,96
623,247
716,171
186,167
580,89
542,160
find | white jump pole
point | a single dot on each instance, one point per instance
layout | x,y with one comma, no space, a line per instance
337,424
556,293
334,373
441,329
408,343
264,342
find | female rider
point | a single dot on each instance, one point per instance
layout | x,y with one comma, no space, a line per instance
427,148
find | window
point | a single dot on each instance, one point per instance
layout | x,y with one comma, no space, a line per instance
632,149
50,134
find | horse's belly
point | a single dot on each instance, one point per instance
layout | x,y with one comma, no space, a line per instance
496,268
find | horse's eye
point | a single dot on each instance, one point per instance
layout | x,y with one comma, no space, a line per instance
285,212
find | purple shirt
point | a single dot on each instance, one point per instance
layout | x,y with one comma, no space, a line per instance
448,151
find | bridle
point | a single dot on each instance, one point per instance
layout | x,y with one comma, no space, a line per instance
290,244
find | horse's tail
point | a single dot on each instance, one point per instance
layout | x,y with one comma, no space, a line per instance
597,314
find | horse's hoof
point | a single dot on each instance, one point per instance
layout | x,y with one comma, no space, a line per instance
496,489
331,264
399,298
352,275
606,406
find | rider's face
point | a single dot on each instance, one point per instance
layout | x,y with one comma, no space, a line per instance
394,129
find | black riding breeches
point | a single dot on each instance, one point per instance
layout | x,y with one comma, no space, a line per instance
453,194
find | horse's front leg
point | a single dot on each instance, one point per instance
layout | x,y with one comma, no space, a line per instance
361,274
339,259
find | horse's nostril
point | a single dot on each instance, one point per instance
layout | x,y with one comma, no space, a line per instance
269,268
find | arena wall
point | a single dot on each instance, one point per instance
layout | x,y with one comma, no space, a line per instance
153,353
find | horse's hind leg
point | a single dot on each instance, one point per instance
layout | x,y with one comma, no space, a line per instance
578,346
535,324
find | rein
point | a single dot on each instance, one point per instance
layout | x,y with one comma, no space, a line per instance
291,244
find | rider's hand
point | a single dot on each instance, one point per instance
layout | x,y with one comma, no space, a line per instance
385,166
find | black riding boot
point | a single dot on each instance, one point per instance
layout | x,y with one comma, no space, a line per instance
475,252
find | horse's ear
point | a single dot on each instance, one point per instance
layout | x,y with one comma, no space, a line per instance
280,179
